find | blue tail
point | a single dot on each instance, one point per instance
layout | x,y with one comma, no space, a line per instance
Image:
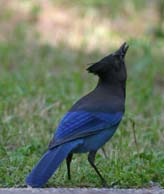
48,164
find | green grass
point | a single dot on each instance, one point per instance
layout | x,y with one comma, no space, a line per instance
38,84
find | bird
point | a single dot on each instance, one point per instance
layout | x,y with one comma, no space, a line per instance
89,123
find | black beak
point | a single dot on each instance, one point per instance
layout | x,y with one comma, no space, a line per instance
123,49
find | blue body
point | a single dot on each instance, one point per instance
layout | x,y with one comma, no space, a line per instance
78,132
94,142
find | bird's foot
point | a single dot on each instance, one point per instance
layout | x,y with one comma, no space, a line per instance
104,183
69,177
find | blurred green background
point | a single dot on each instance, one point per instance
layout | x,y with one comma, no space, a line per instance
44,48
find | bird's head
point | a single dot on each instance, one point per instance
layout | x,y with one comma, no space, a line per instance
111,67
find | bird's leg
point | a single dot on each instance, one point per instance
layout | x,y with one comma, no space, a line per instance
104,152
91,159
68,162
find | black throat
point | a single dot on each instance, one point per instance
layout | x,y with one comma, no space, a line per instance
112,87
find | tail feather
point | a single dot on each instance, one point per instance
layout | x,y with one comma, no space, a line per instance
49,163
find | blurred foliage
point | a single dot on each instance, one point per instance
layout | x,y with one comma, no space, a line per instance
159,31
114,6
39,81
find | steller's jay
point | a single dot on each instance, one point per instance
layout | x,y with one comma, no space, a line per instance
91,121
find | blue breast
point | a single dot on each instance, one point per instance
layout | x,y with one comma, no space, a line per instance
94,142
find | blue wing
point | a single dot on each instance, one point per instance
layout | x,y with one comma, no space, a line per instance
81,123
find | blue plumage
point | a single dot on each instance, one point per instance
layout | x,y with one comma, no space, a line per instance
82,123
49,162
93,130
90,123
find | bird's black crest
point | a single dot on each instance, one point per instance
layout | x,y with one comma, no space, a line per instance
95,67
104,64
